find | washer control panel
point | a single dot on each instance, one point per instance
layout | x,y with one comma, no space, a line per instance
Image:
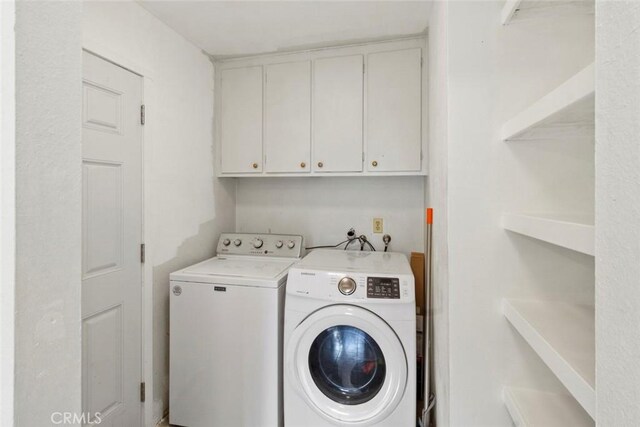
350,286
268,245
383,287
347,286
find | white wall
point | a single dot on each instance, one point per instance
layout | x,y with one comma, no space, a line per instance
188,207
323,209
492,73
7,209
617,211
436,198
47,210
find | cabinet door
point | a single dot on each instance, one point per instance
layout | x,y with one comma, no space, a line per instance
241,120
288,117
394,111
337,114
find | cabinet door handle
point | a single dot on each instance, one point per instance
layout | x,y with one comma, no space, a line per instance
320,164
374,163
303,164
255,166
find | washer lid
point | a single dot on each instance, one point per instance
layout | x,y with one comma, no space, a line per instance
234,270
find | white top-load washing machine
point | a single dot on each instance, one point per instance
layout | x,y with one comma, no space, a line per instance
226,317
350,341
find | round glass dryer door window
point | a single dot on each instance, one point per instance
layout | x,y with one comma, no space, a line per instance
347,365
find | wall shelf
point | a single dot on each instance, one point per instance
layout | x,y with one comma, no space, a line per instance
575,232
567,111
529,408
521,10
563,335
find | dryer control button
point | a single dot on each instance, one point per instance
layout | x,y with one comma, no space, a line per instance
347,286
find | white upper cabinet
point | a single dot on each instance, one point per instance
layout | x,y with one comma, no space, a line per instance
394,111
241,120
288,117
350,111
337,114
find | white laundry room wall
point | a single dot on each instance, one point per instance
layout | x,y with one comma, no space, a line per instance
41,147
188,206
323,209
7,208
617,208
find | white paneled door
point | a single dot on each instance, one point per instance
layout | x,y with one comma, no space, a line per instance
337,114
111,239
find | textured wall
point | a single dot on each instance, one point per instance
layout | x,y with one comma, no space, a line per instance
617,213
48,180
188,207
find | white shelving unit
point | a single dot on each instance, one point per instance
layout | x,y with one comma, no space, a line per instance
519,10
567,111
563,335
575,232
530,408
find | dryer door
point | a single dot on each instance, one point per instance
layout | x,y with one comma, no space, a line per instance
348,364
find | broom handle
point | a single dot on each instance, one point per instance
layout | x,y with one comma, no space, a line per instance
427,356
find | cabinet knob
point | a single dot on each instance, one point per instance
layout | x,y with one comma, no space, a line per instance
255,165
303,164
320,164
374,163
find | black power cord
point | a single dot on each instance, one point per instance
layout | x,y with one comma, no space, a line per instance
352,237
328,246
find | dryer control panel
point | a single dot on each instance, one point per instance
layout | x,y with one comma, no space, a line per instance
383,287
338,286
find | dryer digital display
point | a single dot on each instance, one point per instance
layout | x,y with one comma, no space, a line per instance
383,287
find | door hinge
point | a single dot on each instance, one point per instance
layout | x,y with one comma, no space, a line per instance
421,61
142,392
362,157
142,116
142,252
363,68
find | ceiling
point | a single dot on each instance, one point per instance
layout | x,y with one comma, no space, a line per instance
237,28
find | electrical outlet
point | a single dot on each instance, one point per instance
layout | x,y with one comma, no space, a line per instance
377,225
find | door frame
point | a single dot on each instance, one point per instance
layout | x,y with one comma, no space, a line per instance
99,49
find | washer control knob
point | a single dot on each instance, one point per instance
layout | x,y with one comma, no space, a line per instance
257,243
291,244
347,286
279,244
237,242
226,242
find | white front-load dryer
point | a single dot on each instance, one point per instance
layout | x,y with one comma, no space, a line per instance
349,351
